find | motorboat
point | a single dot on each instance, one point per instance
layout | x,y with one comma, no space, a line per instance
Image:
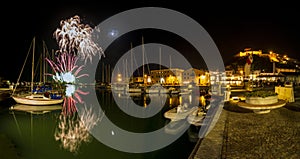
196,117
180,112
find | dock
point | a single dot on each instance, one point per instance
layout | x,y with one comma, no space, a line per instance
240,133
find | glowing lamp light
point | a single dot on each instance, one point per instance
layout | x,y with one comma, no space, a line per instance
149,79
162,80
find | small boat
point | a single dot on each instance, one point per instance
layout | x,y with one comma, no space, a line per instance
196,117
156,89
135,90
180,112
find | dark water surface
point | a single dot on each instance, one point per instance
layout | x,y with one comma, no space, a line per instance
53,135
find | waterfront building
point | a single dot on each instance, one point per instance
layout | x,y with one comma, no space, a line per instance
171,76
196,76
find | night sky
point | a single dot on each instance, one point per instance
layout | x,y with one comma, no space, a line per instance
233,26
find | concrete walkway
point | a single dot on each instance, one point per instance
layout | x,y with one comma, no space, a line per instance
240,133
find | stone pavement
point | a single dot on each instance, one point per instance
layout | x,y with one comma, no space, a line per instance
240,133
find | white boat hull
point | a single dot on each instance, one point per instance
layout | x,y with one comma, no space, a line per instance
174,115
196,118
135,90
27,101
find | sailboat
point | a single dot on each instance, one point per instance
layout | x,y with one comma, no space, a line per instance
133,87
157,88
32,98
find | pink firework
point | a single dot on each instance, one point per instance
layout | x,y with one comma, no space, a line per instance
67,73
65,68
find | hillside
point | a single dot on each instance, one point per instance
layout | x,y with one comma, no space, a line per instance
263,63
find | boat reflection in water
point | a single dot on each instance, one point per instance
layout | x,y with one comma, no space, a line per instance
71,130
35,109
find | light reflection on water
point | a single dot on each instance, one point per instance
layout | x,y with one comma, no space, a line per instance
52,135
72,131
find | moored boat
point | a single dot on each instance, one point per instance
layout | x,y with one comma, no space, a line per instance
180,112
196,117
36,96
37,99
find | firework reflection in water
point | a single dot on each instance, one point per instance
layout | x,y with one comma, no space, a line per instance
73,130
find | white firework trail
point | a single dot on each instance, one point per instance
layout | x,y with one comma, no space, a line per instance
72,131
74,37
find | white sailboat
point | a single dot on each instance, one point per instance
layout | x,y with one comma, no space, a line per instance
34,98
157,88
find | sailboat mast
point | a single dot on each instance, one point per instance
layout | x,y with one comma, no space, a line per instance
143,51
44,65
52,57
160,65
170,62
41,68
131,63
102,73
32,65
27,56
126,71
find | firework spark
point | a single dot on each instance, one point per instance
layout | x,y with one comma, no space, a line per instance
75,37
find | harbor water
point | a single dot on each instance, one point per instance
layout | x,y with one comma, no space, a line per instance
50,134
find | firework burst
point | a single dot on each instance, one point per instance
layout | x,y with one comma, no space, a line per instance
75,37
66,72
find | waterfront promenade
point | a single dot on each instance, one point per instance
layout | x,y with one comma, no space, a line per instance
240,133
